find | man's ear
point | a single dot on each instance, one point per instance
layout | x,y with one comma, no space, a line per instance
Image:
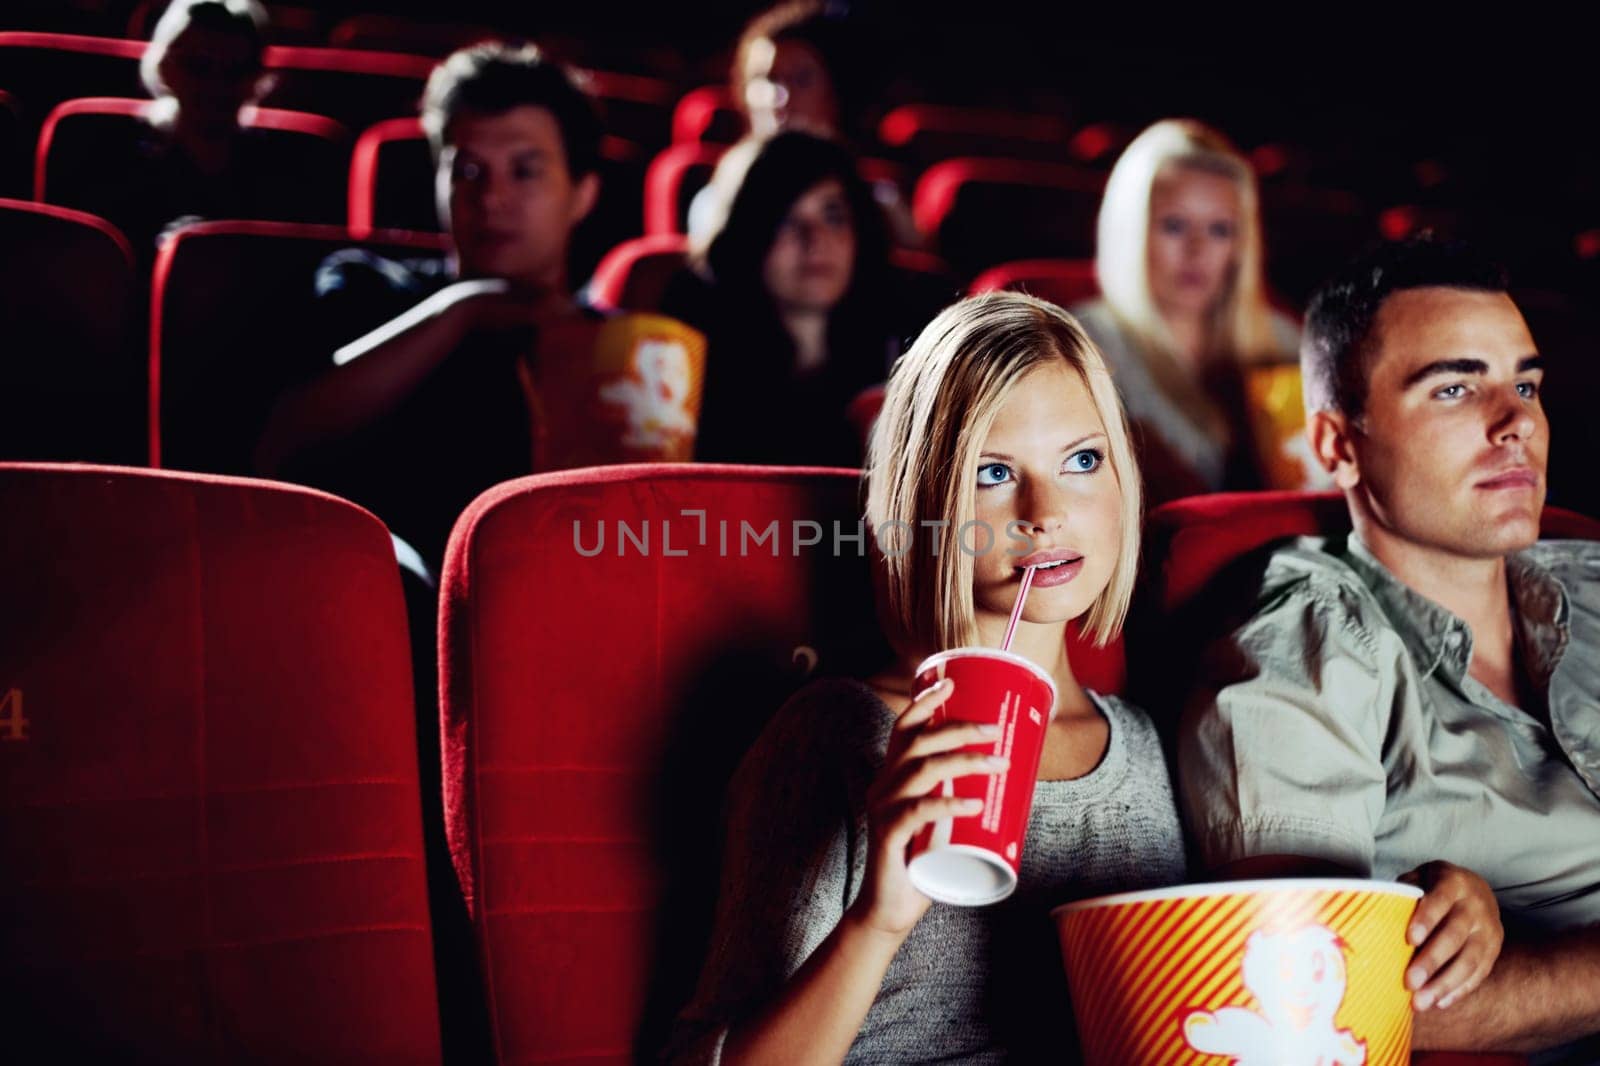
1332,438
584,195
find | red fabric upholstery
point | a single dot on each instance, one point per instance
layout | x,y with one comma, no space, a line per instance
356,88
394,33
928,133
634,275
672,180
391,179
708,115
71,380
593,710
1189,542
76,137
1061,281
229,314
986,211
210,823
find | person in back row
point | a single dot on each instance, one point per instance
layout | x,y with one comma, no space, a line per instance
1427,687
793,293
1202,361
472,378
193,154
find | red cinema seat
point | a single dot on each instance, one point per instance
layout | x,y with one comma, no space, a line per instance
1203,558
634,275
232,322
632,107
928,133
1061,281
594,708
40,70
83,140
391,179
210,819
981,212
72,379
707,115
395,33
353,87
670,184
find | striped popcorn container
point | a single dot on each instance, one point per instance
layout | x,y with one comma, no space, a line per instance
1286,972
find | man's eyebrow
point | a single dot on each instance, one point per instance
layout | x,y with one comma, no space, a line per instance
1445,366
1467,366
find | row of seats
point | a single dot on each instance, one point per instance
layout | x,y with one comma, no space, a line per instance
211,812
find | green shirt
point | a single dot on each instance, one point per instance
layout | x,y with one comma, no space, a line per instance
1340,723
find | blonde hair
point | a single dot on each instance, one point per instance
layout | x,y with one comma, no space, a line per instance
922,463
1242,322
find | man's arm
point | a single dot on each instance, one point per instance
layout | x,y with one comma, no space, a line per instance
1542,993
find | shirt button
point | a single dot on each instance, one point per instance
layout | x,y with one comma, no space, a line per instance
1453,638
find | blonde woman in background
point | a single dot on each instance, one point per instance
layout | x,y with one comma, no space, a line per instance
1206,368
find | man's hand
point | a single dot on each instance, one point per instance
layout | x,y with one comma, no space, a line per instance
1456,931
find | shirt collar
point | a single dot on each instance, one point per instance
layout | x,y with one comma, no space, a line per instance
1436,637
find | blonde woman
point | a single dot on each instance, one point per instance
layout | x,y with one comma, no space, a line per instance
1204,365
1001,414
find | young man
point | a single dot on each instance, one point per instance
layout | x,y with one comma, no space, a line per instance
1427,688
433,406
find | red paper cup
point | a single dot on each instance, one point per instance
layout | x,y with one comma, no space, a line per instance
973,860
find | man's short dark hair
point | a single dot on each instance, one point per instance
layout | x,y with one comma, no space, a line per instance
493,78
1335,349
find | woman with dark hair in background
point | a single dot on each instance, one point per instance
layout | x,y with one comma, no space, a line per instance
792,295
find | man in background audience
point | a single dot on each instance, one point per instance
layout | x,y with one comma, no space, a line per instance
421,414
1428,687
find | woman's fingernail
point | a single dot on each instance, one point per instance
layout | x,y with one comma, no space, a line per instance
972,806
1418,932
1416,976
998,762
1423,1000
989,730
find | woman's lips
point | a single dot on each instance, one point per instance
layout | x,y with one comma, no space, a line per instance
1048,577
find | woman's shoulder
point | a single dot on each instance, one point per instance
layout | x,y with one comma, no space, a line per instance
835,711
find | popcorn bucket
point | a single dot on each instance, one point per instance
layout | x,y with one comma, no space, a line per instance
1291,972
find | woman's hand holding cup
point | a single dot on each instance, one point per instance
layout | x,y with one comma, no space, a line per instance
904,797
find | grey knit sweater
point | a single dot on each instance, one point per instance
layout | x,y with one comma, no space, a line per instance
969,985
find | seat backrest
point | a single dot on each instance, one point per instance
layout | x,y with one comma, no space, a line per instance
232,311
670,184
596,698
1203,561
85,139
72,381
634,275
928,133
210,822
1061,281
707,115
39,70
981,212
391,179
354,87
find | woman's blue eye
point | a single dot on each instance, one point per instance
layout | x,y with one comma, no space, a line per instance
991,474
1527,389
1086,461
1450,392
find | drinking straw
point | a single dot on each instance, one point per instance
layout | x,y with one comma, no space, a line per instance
1016,611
